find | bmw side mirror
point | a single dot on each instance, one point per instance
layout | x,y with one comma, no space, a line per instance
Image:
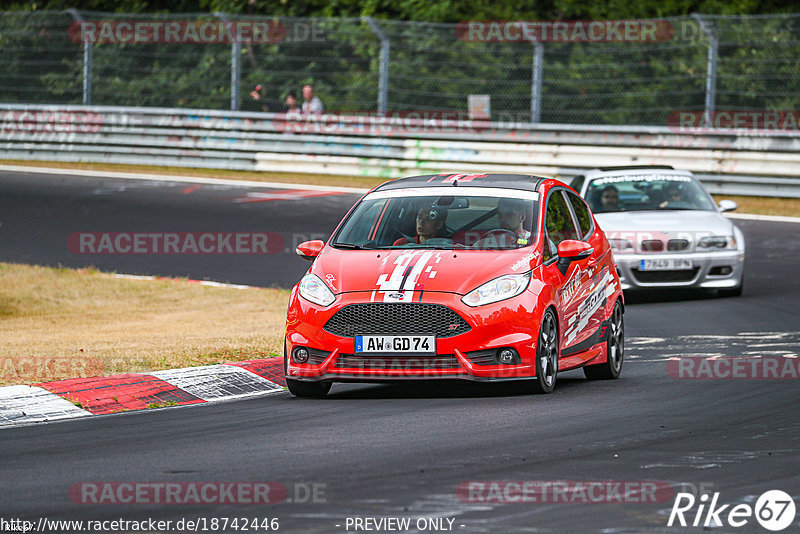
727,205
571,250
308,250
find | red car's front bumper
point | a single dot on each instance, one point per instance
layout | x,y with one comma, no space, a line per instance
513,323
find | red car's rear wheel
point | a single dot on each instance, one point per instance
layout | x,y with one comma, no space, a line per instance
615,349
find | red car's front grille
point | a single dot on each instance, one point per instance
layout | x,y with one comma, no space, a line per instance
396,319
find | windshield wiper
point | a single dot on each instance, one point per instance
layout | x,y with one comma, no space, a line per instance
349,245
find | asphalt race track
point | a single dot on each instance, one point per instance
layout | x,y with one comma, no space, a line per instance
404,450
40,212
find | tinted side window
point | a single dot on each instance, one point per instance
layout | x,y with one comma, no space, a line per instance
558,223
582,213
577,182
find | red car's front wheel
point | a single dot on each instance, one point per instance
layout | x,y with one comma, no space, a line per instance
547,354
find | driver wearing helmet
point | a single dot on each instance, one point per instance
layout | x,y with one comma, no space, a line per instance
430,224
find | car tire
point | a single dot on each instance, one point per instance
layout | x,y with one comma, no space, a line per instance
303,389
733,292
308,389
615,349
547,354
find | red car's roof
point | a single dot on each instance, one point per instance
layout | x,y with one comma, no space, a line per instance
506,181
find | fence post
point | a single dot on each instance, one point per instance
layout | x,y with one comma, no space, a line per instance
711,68
383,76
236,66
87,62
536,82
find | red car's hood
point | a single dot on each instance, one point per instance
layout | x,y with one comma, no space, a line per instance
393,271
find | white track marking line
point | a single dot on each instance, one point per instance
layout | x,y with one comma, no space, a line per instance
768,218
176,178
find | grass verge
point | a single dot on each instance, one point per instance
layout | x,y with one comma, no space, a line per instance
64,323
757,205
789,207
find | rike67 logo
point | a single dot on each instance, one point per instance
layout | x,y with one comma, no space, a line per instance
774,510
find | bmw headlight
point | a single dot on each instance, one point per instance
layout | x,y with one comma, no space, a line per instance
717,242
620,245
314,290
498,289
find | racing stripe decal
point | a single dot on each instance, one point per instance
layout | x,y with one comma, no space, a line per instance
400,284
593,302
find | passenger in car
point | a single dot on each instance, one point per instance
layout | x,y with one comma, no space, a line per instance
430,224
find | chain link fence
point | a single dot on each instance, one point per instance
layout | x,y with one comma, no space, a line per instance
589,73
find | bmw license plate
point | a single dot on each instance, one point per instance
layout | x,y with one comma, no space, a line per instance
665,265
395,344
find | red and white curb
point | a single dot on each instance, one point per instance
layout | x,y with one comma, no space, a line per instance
101,395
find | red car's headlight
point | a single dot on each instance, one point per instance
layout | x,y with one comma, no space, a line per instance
314,290
501,288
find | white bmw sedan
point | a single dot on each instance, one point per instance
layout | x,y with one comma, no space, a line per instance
665,229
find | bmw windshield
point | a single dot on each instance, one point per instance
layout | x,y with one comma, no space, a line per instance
647,192
485,218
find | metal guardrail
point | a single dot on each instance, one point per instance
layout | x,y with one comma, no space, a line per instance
731,162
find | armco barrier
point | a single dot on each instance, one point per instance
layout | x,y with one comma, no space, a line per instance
732,162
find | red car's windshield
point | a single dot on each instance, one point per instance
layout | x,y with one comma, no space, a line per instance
419,220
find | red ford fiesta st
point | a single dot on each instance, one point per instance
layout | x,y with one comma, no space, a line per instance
481,277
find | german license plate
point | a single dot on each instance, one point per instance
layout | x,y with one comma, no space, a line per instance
665,265
367,344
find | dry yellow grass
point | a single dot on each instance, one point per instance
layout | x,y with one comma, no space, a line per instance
61,323
758,205
764,205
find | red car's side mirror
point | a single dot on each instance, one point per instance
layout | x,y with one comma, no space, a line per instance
308,250
571,250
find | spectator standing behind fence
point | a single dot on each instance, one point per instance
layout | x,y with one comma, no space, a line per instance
291,103
312,105
257,101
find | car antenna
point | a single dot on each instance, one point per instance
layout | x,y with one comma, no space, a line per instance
455,182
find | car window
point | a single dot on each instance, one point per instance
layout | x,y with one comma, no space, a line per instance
582,214
642,192
419,220
577,182
558,224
